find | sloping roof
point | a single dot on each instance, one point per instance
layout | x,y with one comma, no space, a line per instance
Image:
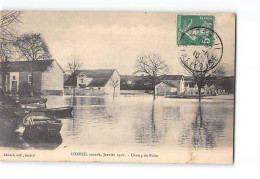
170,83
100,77
98,82
171,77
22,66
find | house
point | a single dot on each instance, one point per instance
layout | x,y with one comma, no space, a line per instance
94,82
191,88
47,77
210,90
166,87
171,81
130,82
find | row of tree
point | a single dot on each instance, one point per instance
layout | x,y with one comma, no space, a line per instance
152,66
32,47
13,47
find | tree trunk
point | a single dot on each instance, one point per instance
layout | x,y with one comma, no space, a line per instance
154,93
32,87
199,89
73,97
3,82
4,73
153,89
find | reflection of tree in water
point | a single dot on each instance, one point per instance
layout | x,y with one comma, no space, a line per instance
91,111
203,132
82,101
147,131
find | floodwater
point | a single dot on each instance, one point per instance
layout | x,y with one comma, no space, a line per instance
135,121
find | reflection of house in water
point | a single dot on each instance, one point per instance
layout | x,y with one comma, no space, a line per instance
170,84
47,76
92,82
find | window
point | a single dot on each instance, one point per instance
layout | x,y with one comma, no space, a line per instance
29,78
14,77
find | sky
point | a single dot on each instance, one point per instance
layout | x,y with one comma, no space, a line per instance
113,40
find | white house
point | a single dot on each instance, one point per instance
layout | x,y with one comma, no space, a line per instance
170,83
165,87
91,82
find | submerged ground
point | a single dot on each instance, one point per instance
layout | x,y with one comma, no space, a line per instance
133,122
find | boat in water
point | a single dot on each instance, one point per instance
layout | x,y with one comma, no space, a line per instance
61,112
39,123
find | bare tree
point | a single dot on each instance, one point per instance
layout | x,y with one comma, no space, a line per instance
205,58
114,82
73,65
199,65
219,71
32,47
151,65
9,20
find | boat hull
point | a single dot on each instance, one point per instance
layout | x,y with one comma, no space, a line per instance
63,112
48,129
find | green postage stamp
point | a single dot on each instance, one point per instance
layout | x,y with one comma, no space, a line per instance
196,30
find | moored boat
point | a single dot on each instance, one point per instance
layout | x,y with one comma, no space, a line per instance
62,112
40,123
22,110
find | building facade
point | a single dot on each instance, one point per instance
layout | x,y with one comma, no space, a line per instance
44,76
170,84
93,82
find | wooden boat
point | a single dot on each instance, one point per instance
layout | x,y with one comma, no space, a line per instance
62,112
22,110
40,123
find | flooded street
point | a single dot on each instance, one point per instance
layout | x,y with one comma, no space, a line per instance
135,122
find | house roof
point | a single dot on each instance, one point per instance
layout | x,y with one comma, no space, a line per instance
100,77
170,83
22,66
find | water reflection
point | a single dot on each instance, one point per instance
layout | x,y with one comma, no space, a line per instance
146,130
204,130
130,121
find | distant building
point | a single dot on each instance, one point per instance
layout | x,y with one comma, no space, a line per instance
191,88
93,82
171,84
47,77
166,87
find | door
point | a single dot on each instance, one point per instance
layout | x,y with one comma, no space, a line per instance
14,87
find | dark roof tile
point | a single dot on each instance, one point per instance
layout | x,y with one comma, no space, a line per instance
22,66
100,77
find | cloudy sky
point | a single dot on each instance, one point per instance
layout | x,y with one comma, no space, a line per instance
114,40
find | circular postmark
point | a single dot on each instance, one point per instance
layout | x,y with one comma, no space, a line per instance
201,49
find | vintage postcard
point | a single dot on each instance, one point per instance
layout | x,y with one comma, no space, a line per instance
117,87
